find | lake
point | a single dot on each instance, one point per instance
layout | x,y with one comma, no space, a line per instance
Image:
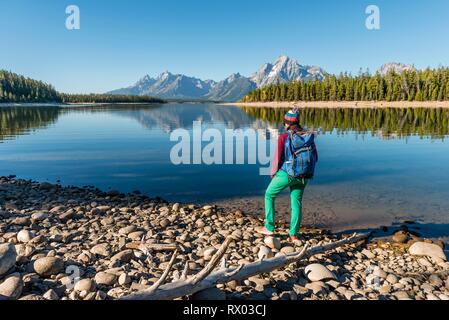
377,166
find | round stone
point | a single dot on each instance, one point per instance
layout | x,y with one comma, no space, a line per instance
105,278
288,250
272,243
24,236
87,285
39,216
318,272
102,249
48,266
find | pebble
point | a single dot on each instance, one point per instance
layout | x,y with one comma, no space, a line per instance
264,253
102,249
272,242
48,266
105,278
8,257
51,295
87,285
400,237
392,279
368,254
39,216
11,287
164,223
24,236
318,287
288,250
124,279
124,256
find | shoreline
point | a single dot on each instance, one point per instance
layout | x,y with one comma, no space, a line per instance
343,104
46,228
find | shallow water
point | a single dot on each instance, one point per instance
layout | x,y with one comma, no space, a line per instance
376,166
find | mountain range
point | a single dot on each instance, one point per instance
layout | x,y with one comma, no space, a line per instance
233,88
178,86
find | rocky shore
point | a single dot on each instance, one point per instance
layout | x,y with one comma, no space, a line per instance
79,243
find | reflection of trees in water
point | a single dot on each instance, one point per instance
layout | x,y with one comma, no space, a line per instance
387,122
19,120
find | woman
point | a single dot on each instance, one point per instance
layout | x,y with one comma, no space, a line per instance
281,179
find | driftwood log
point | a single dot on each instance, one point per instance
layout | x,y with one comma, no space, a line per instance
207,278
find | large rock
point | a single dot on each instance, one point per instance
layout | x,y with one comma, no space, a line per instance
8,257
427,249
11,287
318,272
48,266
210,294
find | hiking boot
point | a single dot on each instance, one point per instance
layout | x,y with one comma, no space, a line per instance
264,231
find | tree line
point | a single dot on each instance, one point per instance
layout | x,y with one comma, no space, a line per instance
106,98
422,85
15,88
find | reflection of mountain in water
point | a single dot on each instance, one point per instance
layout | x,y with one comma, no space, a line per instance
387,123
19,120
170,117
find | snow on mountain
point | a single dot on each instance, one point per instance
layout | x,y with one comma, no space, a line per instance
396,67
285,69
233,88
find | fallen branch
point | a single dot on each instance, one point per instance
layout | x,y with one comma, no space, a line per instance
151,246
187,287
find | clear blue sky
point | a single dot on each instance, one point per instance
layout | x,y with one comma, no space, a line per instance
121,41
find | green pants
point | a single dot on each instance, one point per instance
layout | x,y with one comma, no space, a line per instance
281,181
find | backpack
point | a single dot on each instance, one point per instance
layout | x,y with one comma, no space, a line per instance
300,155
